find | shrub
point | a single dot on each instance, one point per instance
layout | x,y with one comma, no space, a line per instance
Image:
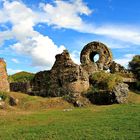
3,95
105,81
134,66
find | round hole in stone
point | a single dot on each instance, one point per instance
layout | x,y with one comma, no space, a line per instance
94,57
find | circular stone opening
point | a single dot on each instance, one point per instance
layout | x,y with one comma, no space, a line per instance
94,57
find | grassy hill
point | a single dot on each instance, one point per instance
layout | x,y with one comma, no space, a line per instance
21,77
37,118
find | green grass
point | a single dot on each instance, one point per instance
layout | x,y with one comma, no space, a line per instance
37,118
115,122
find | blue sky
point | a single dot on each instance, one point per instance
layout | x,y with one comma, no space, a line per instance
33,32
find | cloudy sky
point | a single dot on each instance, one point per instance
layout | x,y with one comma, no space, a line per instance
32,32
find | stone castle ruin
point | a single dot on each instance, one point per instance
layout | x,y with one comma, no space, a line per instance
68,78
4,85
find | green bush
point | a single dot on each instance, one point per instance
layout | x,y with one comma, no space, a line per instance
3,95
134,66
105,81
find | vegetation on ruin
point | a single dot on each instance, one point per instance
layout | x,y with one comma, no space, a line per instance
21,77
105,81
126,75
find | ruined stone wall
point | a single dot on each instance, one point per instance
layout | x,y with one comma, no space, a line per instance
68,78
41,83
65,77
115,67
20,87
4,85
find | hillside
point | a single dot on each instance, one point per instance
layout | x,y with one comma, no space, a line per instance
21,77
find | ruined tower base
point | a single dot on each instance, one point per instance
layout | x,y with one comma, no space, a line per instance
4,85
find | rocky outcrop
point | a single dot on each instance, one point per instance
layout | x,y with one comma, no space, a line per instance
4,85
13,101
77,99
120,93
65,77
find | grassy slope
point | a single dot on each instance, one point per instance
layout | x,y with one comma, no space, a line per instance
114,122
21,77
36,103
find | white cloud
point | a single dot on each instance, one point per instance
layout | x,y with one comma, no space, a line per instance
126,34
61,14
75,55
115,44
40,48
125,59
67,14
5,35
17,12
12,71
15,60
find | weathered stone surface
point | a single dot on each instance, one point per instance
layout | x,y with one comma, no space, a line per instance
78,100
20,87
65,77
4,85
41,83
13,101
2,105
119,95
120,92
115,67
88,53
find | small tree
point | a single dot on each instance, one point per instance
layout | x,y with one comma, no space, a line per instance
134,66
